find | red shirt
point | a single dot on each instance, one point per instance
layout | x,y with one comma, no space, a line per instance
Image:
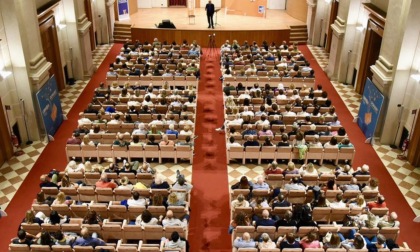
376,205
276,171
102,184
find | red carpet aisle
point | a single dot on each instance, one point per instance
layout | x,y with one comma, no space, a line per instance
53,157
365,154
208,228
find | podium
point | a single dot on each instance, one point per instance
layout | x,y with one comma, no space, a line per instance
216,11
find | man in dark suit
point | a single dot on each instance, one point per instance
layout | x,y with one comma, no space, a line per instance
210,12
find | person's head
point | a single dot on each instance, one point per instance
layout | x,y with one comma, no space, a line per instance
244,181
341,132
290,238
54,217
146,216
373,183
265,237
85,233
284,137
265,214
29,217
172,198
169,214
358,242
339,197
290,166
381,199
312,236
157,199
181,180
151,138
136,195
330,184
365,168
40,197
45,238
21,234
360,200
61,197
335,239
104,176
333,140
246,236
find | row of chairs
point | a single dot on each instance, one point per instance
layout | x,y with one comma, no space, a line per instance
120,246
288,153
143,152
109,138
274,233
303,196
278,180
249,81
145,81
317,250
145,118
109,231
92,194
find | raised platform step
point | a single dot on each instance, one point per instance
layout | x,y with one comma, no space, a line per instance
119,32
119,24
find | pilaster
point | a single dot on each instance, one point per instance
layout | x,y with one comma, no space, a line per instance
338,29
28,63
310,18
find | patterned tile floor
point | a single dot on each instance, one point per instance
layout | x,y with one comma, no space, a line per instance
404,174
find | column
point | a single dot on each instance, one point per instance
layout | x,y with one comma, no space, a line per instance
338,29
79,40
310,19
27,62
399,58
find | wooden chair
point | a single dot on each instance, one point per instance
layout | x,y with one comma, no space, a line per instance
184,152
268,152
235,152
167,152
330,154
73,151
252,152
346,153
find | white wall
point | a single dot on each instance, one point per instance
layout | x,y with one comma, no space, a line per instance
144,4
159,3
276,4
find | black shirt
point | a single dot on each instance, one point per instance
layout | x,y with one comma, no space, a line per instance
210,8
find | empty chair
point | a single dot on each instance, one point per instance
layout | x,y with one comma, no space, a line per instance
112,231
92,178
338,214
275,180
50,191
296,196
33,228
310,180
153,232
61,248
314,153
346,153
42,208
268,152
283,230
292,250
343,179
105,151
235,152
132,232
73,151
87,193
167,152
89,151
122,193
330,154
78,211
303,231
18,247
336,250
117,212
135,151
151,151
83,249
321,214
62,209
120,152
390,232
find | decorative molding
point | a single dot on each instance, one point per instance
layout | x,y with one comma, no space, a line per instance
39,72
339,27
311,3
110,3
83,24
385,63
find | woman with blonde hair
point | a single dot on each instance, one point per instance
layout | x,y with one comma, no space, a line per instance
308,169
359,201
125,183
31,218
291,169
174,200
62,199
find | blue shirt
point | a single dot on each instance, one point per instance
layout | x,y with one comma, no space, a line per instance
88,242
239,243
172,132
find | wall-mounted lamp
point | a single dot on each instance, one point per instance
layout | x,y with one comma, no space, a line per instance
416,77
61,26
4,74
360,28
328,1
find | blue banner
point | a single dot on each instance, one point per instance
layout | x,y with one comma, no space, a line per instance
122,7
370,108
50,106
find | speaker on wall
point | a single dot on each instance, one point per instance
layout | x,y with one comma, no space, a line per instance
166,23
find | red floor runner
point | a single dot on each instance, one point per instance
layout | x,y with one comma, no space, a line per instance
365,154
210,216
53,156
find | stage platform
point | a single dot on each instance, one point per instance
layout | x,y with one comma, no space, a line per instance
274,27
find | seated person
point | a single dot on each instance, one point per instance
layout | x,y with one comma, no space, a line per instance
260,184
288,241
174,242
170,220
265,220
244,242
86,239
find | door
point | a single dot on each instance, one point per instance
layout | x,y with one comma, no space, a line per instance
333,16
6,149
413,155
370,53
89,14
51,50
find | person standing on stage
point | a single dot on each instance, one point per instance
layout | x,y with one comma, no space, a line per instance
210,12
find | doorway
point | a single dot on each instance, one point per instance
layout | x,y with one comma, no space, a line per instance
6,149
51,48
370,52
333,16
89,15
